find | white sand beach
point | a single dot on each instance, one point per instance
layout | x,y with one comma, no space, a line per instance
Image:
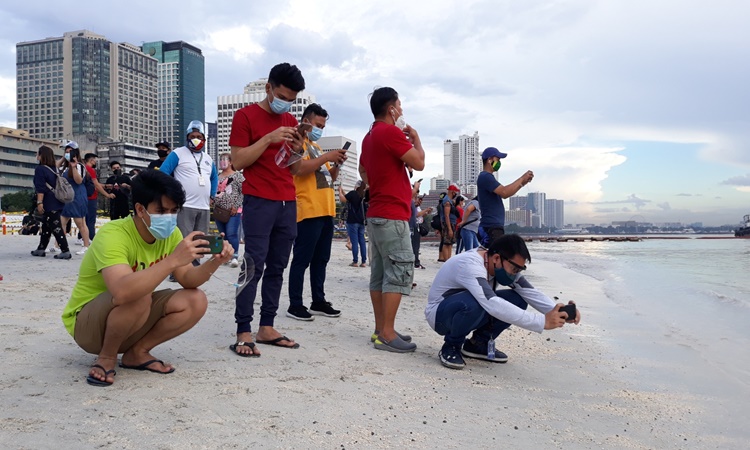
565,388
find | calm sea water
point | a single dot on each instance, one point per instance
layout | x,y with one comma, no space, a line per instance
694,293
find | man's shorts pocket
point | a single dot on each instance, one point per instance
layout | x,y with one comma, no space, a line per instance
401,270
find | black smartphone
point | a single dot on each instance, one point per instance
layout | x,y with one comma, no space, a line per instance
215,242
346,146
420,180
304,128
570,308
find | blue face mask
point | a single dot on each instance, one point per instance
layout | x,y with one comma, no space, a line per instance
501,276
279,106
315,134
67,156
162,225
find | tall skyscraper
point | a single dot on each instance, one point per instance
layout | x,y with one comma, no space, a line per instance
535,203
554,213
82,86
212,143
450,160
463,162
181,90
517,202
255,92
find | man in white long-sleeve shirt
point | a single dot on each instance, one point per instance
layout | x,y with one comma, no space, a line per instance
462,299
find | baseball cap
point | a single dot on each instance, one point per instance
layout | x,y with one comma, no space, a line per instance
72,144
489,152
197,125
164,143
454,188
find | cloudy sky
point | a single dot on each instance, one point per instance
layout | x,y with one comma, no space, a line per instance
624,109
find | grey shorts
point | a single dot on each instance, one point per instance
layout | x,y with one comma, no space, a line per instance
191,219
91,321
391,255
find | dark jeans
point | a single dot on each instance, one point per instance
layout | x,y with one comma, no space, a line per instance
312,248
52,226
270,228
416,240
491,233
90,219
356,232
460,314
118,209
231,232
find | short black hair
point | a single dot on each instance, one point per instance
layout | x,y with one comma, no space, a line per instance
151,185
380,99
112,163
89,156
314,109
287,75
508,246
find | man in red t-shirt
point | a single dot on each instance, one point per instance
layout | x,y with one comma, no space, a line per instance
269,208
90,161
387,150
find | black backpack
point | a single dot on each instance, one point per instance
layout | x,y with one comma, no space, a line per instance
435,223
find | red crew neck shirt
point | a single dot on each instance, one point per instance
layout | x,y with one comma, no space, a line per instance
263,178
390,190
92,174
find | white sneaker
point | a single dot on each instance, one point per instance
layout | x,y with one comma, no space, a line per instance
82,251
79,242
234,263
53,249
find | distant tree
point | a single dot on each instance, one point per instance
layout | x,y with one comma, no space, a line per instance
17,201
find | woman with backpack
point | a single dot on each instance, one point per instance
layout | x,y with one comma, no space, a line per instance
48,207
75,173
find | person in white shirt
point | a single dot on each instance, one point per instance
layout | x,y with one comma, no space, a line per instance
463,299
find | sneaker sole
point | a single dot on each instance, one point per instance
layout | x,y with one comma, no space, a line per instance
320,313
483,356
451,365
383,346
304,319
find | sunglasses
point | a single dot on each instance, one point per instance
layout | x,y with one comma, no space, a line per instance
517,268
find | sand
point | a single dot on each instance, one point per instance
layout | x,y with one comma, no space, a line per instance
566,388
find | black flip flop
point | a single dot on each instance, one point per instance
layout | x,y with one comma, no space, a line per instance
145,365
100,383
275,342
250,345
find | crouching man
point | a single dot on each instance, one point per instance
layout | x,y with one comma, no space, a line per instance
463,299
113,307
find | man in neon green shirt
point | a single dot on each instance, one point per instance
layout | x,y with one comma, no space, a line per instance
113,307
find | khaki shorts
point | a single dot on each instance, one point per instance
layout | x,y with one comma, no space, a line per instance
391,256
444,239
91,321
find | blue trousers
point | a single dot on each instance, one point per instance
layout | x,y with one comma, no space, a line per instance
269,225
356,232
90,219
469,240
231,232
460,314
312,248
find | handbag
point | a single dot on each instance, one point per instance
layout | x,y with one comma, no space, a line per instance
423,229
222,214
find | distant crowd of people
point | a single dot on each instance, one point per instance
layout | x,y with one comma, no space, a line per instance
275,189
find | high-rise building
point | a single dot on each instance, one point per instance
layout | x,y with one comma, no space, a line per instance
181,89
520,217
535,204
18,159
517,202
255,92
439,183
212,143
463,162
349,171
554,215
450,160
82,85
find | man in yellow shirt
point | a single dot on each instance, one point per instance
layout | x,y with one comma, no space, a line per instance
113,307
316,209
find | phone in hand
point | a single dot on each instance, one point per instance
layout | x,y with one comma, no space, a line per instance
570,308
346,146
215,242
420,180
303,128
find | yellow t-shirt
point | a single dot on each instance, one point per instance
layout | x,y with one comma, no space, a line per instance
315,196
118,242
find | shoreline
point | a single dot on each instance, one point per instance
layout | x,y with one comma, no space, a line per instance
566,388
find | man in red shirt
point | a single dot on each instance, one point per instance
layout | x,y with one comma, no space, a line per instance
387,150
90,161
269,209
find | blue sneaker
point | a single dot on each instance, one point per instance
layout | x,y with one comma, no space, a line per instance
450,357
479,351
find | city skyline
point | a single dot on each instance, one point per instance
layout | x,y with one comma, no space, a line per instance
619,123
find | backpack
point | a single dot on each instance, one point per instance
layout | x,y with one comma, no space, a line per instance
63,190
435,223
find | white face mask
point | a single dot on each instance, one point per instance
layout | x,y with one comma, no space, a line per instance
400,122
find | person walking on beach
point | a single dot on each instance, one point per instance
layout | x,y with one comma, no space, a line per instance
269,209
114,307
491,194
76,174
463,299
47,205
448,219
316,209
119,185
91,160
355,221
386,149
229,199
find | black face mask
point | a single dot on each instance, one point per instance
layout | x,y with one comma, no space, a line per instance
93,166
162,153
118,172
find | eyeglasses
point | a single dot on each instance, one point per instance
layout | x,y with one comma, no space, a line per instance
516,267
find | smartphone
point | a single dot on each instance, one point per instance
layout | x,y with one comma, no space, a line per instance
346,146
571,310
420,180
215,242
304,128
